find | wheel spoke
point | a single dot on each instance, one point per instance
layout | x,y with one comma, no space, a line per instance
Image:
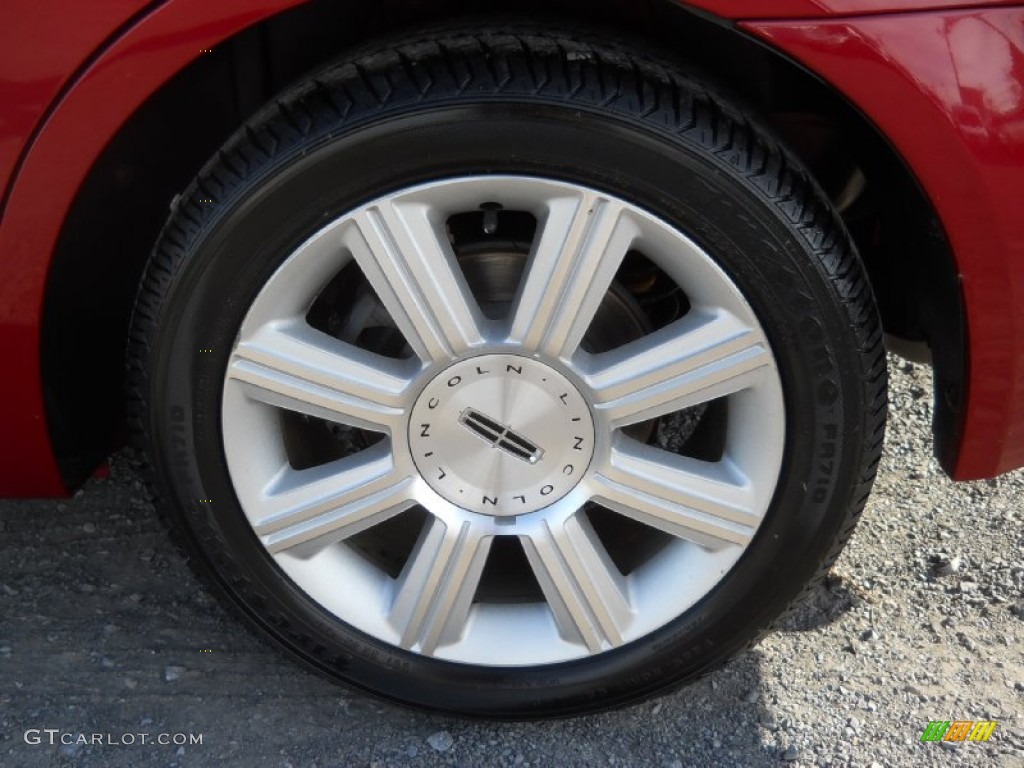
293,366
317,507
580,246
585,591
437,586
692,361
405,255
687,498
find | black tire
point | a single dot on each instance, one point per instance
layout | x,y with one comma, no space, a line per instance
530,102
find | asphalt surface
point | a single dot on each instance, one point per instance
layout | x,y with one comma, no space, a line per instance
105,633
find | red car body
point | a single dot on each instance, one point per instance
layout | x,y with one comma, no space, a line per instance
941,81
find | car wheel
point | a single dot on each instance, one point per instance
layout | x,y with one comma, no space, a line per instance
507,373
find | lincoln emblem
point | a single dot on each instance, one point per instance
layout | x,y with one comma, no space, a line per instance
500,436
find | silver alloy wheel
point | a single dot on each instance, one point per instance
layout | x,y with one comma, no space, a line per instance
502,452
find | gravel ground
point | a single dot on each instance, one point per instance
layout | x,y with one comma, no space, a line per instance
105,630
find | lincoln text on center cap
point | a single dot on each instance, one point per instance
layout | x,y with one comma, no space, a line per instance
501,435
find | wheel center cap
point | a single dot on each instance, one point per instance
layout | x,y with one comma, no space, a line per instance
501,435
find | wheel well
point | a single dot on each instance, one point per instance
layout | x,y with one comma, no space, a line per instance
118,212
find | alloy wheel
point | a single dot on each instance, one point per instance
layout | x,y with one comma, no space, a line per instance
481,454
